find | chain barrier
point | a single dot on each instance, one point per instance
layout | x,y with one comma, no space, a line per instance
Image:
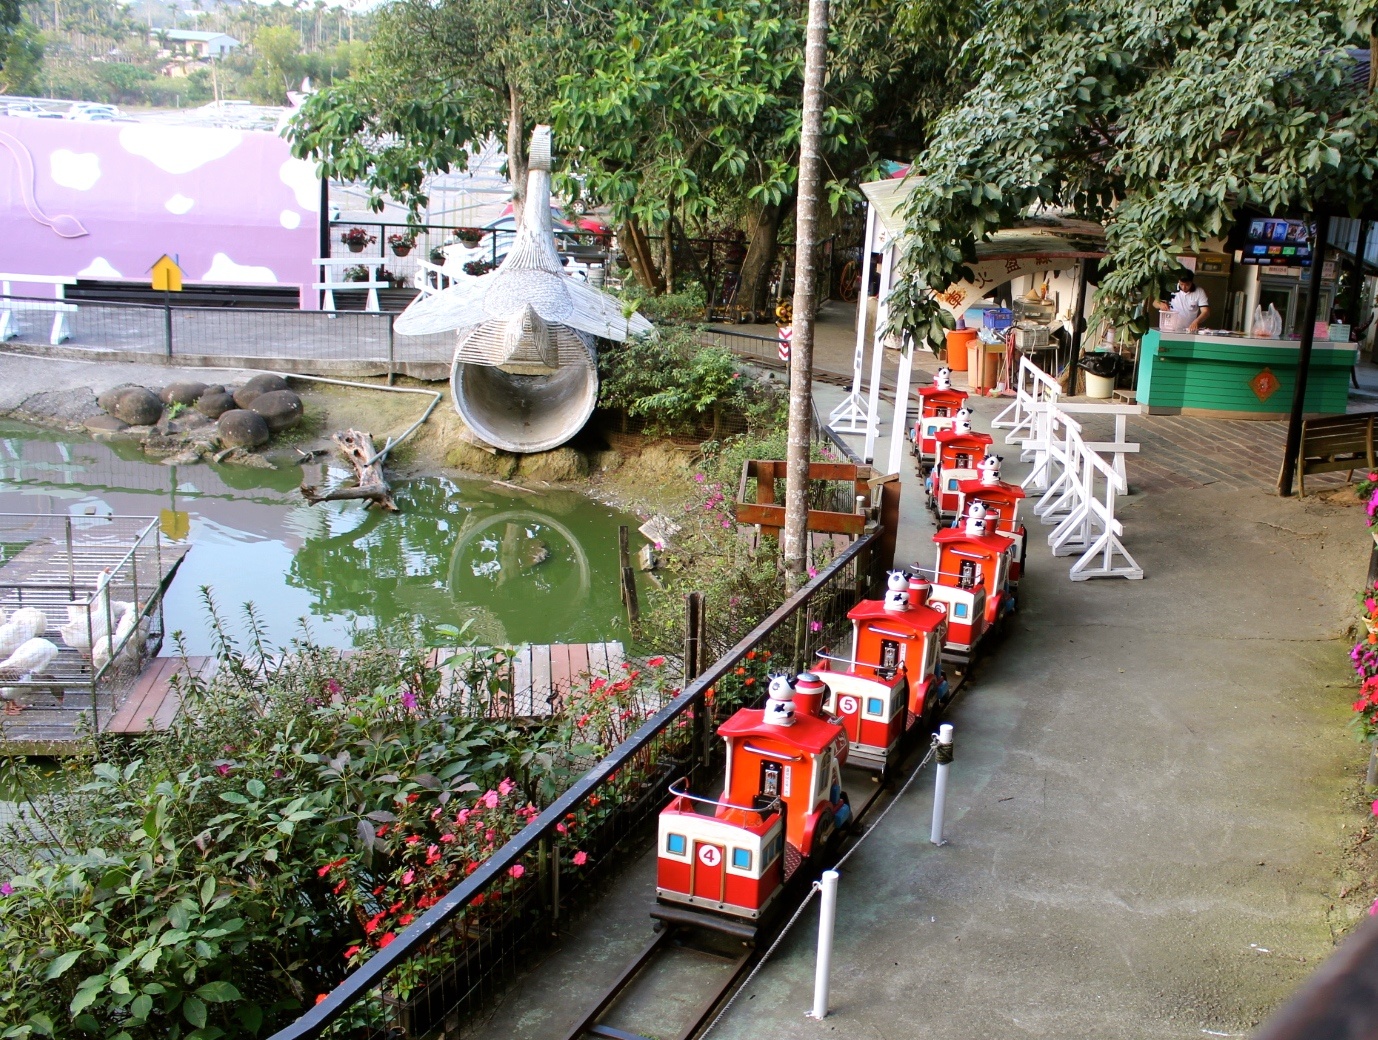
814,890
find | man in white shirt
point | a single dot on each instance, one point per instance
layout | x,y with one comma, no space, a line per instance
1189,303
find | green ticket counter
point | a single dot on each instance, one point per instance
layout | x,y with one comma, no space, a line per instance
1237,377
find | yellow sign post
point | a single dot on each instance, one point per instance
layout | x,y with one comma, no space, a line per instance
167,276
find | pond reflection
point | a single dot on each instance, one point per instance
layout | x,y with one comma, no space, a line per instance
516,566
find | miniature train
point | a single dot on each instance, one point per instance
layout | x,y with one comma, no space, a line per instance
731,863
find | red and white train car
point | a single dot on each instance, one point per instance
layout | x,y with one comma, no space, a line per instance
724,863
893,680
938,404
971,583
1002,504
959,451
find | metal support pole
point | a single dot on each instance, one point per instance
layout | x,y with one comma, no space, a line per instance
1308,335
827,914
392,355
944,757
167,329
868,453
71,568
1086,270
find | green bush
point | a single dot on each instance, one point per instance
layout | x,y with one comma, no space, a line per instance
215,879
675,383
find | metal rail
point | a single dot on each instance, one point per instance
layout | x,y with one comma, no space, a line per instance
419,936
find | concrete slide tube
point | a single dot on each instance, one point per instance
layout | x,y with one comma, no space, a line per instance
525,413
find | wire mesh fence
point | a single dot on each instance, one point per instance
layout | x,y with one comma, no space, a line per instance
83,595
344,342
447,964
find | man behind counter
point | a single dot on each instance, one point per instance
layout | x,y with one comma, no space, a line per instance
1189,303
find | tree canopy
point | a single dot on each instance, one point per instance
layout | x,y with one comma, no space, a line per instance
1162,120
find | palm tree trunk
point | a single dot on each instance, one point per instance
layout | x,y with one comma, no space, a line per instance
796,536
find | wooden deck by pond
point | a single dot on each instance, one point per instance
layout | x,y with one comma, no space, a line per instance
537,677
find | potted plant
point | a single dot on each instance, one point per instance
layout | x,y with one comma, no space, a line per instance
402,242
469,236
356,238
478,267
437,256
358,273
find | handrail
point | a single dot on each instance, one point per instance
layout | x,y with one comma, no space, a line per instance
415,936
774,805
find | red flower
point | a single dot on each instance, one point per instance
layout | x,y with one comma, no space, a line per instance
413,839
751,655
656,662
432,855
580,858
405,920
340,887
351,952
594,800
411,798
321,996
385,940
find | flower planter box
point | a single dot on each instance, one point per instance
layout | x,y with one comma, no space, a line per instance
355,247
400,250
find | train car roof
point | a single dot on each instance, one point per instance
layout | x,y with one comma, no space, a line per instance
953,437
919,618
934,391
974,487
809,733
955,536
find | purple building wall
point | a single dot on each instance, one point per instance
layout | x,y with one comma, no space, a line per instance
105,200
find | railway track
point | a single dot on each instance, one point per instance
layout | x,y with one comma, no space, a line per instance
648,999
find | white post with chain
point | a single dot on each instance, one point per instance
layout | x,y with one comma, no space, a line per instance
827,915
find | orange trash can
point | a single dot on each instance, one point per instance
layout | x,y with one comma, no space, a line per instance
957,342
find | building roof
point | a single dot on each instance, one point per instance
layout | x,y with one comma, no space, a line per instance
197,36
1043,235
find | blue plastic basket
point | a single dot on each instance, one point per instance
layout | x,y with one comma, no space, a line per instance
997,318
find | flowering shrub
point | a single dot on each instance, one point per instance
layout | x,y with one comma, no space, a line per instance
402,238
214,879
745,687
1367,490
477,268
1365,659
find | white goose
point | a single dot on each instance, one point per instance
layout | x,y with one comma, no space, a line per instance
33,655
100,655
24,624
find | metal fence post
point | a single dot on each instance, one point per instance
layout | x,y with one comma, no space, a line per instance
167,329
71,567
944,758
693,665
392,355
827,914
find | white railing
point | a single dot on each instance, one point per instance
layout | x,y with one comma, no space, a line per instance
59,308
1032,388
1077,481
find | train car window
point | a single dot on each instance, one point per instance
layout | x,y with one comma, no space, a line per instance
674,844
741,859
875,706
963,461
952,484
959,610
889,658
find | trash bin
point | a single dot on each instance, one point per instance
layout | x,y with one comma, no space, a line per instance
1101,371
957,342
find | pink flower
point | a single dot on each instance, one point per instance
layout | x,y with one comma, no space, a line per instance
516,870
699,478
813,572
462,817
490,799
333,687
727,524
223,769
580,858
562,829
506,787
409,700
409,877
1373,910
446,838
432,855
815,626
6,889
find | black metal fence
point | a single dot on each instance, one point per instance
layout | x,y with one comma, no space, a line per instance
442,968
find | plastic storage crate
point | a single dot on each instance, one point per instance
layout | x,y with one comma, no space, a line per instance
997,318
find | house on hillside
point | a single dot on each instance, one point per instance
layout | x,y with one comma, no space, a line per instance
198,44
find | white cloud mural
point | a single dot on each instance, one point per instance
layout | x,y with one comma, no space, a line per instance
300,176
77,170
223,269
179,204
290,219
178,149
99,268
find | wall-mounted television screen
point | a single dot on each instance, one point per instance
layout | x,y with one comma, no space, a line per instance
1275,242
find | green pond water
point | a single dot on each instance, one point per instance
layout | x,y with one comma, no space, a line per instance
537,567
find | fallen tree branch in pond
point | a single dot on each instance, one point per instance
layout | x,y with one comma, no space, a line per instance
369,482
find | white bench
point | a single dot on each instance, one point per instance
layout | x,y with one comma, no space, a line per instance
332,278
11,308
